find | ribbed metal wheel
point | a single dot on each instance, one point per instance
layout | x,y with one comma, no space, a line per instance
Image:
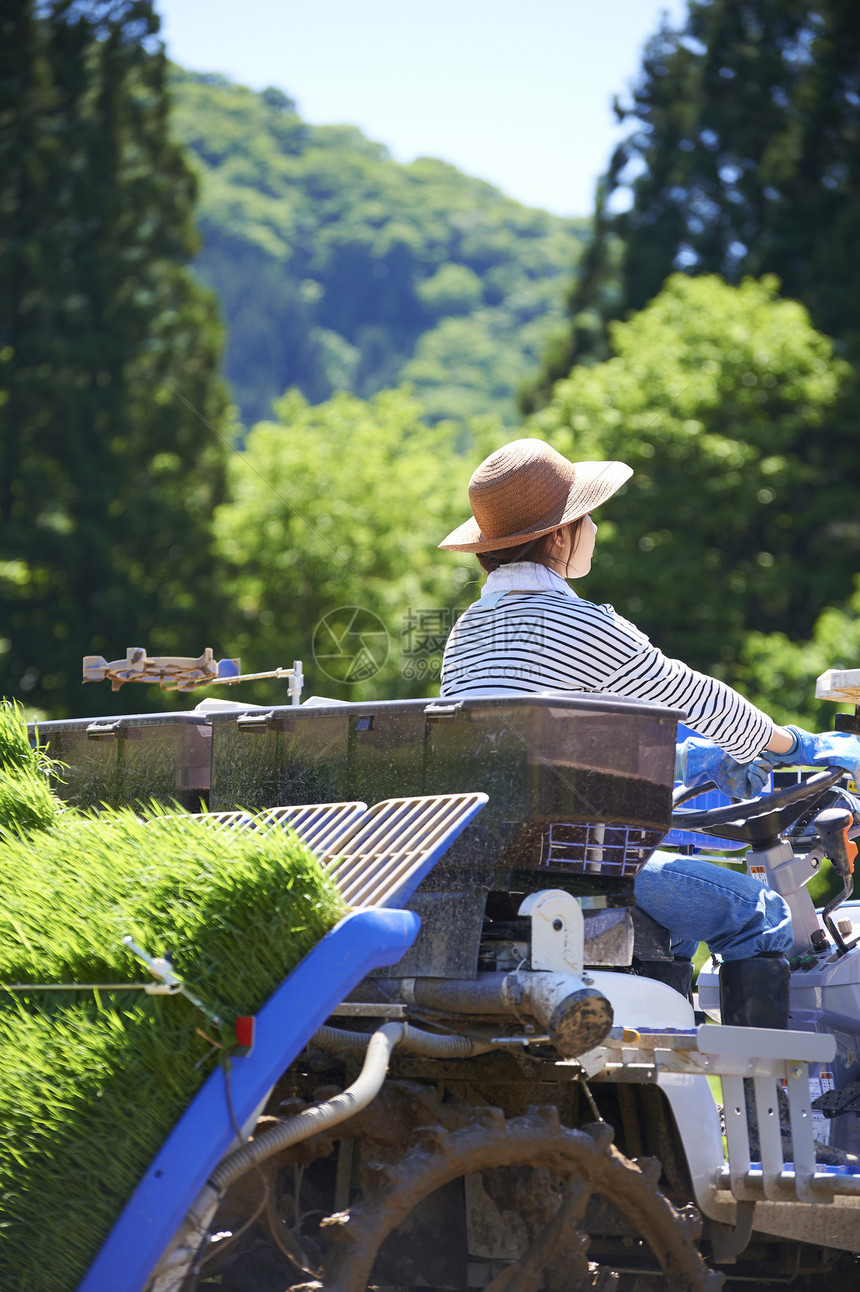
556,1257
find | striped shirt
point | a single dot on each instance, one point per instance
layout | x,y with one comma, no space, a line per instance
531,632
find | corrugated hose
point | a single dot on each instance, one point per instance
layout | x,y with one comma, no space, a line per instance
357,1096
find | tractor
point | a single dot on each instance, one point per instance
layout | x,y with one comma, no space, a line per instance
510,1093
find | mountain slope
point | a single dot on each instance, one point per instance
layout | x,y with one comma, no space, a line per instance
339,269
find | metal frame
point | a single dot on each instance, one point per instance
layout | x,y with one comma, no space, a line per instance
769,1058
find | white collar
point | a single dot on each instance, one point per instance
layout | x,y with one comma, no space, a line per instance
525,576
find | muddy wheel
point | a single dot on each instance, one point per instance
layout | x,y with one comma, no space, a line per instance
556,1258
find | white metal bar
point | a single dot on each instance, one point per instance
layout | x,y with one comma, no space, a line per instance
767,1043
380,828
349,1010
802,1131
376,887
824,1185
432,826
769,1137
406,816
754,1059
737,1133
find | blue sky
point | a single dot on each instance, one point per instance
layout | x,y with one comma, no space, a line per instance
517,92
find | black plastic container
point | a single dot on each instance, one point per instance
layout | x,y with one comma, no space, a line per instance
577,784
128,761
318,754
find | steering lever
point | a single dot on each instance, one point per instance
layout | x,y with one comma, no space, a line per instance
833,825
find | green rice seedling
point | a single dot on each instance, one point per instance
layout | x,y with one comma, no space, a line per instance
16,753
26,799
92,1081
27,802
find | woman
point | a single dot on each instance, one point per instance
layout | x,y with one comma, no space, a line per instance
531,530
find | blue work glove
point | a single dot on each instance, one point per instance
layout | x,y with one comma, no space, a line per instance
699,761
830,749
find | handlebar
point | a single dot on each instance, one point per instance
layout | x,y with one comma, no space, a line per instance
764,805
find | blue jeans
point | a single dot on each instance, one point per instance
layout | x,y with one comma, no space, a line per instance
698,901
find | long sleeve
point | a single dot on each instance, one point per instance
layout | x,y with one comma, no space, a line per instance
713,709
555,641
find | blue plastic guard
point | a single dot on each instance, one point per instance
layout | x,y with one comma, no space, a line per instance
362,941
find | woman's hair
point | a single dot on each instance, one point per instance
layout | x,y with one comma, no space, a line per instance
536,549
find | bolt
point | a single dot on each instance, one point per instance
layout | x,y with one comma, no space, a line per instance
557,925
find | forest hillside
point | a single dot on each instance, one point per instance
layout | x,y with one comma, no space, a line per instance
338,269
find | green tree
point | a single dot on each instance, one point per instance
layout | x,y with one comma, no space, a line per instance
453,289
743,158
108,358
340,506
780,674
741,513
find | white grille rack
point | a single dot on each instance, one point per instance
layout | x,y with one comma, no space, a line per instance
770,1058
377,856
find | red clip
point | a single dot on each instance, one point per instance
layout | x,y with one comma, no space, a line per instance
244,1028
850,850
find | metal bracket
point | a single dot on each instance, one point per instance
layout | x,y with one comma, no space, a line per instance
181,673
558,931
728,1241
108,730
438,712
168,984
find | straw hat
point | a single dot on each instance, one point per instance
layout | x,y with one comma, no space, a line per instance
526,490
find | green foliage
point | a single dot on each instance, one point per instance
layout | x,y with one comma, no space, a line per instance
467,365
26,803
333,263
780,674
741,513
453,289
108,356
237,909
743,158
340,505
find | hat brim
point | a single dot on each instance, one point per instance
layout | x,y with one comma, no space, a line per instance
595,482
